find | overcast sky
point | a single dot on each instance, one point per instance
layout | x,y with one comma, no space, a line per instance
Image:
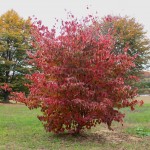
47,10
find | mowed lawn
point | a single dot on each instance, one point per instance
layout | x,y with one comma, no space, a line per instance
21,130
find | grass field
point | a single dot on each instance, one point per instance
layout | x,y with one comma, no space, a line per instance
21,130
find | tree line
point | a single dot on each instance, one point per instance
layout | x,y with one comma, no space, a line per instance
16,39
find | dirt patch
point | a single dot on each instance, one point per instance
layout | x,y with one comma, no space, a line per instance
102,136
116,137
146,99
12,104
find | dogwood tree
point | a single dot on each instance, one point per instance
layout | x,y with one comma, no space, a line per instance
81,82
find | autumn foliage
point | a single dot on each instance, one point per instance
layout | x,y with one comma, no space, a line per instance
5,89
127,31
81,82
14,42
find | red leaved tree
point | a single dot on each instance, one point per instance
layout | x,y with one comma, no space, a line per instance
80,82
6,90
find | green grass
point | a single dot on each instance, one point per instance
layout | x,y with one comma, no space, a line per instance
21,130
138,121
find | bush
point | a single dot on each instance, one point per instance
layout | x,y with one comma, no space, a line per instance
81,81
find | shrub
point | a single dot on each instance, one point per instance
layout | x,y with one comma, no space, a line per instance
80,82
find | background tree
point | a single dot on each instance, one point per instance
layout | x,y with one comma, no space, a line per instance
14,41
128,32
81,83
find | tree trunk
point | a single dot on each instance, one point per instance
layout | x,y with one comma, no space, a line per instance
5,97
78,129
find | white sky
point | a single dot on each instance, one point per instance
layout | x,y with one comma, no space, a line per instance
47,10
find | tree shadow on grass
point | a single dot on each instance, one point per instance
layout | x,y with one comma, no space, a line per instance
101,137
81,138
